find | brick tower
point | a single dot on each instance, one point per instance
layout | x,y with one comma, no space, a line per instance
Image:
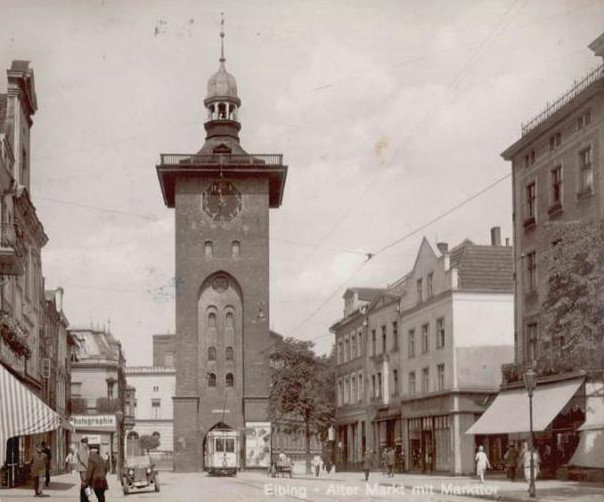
221,197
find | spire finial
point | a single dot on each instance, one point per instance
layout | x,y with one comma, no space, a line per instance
222,60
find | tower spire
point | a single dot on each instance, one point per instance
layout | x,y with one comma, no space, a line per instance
222,60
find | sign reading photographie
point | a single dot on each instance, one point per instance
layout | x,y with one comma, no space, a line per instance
257,444
94,422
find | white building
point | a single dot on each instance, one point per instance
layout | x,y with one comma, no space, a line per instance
155,386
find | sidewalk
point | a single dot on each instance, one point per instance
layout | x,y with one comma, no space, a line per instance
62,487
494,488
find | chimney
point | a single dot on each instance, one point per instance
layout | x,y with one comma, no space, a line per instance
496,236
443,247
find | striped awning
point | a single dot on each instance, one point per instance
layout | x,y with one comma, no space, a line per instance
22,412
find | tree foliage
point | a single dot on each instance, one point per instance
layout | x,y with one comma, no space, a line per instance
148,443
302,391
572,317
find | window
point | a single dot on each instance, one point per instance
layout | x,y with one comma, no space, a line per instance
359,344
229,380
419,291
212,320
353,390
556,184
531,341
585,172
531,272
211,379
346,350
530,200
373,387
440,377
340,352
394,382
169,359
440,333
353,346
425,380
156,388
425,340
235,249
228,353
340,392
430,285
211,353
229,320
584,120
208,249
394,335
373,343
346,391
529,158
155,406
555,140
110,387
383,339
411,343
412,382
379,384
360,381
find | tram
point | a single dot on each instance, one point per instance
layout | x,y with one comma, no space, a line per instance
222,452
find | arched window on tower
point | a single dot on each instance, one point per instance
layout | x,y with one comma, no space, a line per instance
208,249
211,112
230,381
229,320
222,111
212,320
229,354
211,353
211,379
235,249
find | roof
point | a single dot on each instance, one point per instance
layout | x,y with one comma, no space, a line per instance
484,267
3,108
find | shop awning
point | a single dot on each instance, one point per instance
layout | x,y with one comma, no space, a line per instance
509,412
21,412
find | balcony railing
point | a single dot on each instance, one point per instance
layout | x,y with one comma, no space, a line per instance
576,89
180,159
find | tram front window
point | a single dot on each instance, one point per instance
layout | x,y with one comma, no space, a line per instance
219,445
230,445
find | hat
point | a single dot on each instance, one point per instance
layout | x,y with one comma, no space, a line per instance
85,440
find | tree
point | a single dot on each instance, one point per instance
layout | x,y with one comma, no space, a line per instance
572,317
148,443
302,391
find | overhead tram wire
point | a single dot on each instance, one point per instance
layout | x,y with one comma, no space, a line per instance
370,256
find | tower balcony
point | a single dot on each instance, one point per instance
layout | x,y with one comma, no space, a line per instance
270,166
12,250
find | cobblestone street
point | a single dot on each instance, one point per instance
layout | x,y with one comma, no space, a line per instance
251,486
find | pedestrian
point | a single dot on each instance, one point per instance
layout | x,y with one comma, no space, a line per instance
384,461
96,474
82,456
390,461
526,461
38,469
316,462
70,461
511,461
48,454
482,463
367,463
107,463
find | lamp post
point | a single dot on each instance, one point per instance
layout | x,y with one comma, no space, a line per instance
530,382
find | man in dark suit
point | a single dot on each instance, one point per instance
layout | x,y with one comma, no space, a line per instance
48,454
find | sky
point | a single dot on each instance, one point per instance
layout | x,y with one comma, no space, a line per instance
388,113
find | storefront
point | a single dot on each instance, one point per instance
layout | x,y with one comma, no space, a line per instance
429,446
102,431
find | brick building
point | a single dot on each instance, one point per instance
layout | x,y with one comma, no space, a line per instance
557,179
417,360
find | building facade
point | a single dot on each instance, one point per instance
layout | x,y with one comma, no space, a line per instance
221,196
98,391
557,181
418,360
33,338
164,350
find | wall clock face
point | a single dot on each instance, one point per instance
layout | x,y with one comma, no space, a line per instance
221,201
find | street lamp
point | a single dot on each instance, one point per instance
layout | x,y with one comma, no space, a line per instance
530,382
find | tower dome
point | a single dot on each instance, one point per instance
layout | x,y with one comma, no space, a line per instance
222,84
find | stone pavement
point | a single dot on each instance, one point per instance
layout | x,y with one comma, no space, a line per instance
335,486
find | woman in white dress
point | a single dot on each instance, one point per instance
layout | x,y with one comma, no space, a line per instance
482,463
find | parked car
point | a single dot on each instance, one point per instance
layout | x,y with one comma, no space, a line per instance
139,473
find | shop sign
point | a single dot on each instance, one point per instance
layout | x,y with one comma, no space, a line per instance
257,444
94,422
92,438
11,358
